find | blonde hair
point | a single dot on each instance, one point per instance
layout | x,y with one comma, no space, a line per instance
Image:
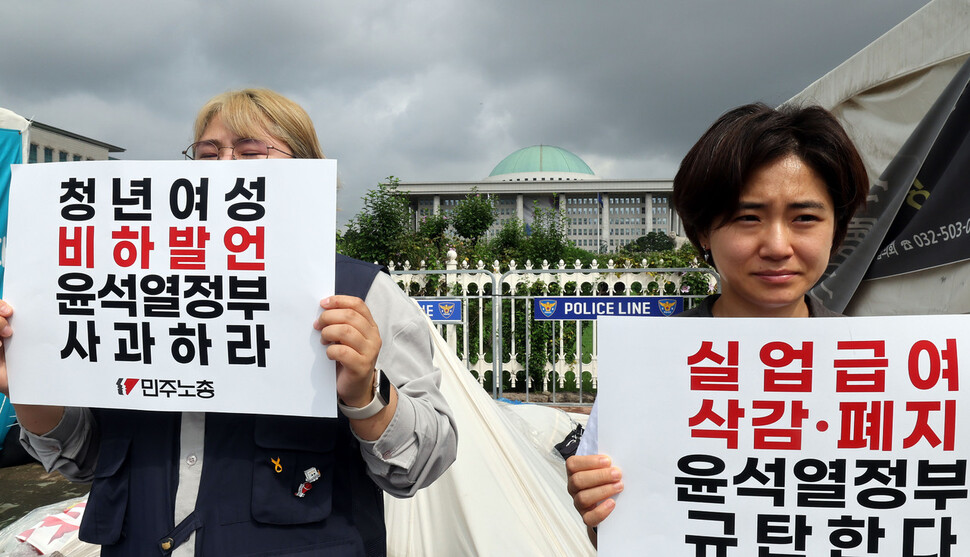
253,112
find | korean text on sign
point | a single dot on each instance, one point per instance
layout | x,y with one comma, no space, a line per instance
171,285
795,437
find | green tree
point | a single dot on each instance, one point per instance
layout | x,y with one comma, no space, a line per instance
473,215
382,231
433,229
547,237
510,241
655,240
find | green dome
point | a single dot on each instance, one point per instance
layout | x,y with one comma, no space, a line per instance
541,158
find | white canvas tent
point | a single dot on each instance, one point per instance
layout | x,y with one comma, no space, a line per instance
9,120
881,94
506,492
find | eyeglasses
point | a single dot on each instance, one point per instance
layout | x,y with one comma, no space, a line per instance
247,148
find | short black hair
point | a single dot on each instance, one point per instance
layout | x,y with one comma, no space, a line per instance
708,185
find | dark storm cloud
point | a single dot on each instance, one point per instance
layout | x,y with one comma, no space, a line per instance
431,90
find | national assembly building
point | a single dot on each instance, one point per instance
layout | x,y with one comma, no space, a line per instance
601,215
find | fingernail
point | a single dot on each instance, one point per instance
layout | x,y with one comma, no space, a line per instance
604,461
615,474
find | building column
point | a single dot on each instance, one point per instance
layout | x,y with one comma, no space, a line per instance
604,216
436,207
649,212
644,226
676,228
519,208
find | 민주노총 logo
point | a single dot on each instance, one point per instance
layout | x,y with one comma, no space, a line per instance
126,385
166,388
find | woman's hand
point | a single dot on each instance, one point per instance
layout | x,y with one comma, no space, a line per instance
5,331
353,341
593,482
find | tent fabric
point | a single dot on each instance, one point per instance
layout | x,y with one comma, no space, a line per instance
881,94
506,492
10,120
13,146
883,91
11,152
7,419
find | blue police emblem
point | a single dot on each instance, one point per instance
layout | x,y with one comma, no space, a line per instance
547,307
667,306
446,308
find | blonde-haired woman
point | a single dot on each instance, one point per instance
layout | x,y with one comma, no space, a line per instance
234,484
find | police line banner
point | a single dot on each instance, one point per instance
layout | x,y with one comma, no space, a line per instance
795,437
447,311
585,308
176,285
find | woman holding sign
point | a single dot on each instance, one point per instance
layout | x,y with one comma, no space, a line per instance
766,196
235,484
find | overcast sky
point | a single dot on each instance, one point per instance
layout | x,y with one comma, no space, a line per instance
430,90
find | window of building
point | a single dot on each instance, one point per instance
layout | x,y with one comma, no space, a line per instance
48,154
77,157
63,156
32,157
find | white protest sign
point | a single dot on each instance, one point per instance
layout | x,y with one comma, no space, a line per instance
794,437
175,285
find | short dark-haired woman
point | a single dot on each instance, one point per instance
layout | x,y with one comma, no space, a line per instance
766,195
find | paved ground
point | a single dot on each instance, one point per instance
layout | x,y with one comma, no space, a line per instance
567,402
26,487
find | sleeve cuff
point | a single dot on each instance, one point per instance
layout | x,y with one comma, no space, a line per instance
66,440
397,445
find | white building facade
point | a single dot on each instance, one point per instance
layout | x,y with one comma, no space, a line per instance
50,144
601,215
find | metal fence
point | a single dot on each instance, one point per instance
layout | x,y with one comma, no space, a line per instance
541,361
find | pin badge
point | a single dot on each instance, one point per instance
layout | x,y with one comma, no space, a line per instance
277,465
311,474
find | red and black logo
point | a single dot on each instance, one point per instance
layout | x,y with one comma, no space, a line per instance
126,385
